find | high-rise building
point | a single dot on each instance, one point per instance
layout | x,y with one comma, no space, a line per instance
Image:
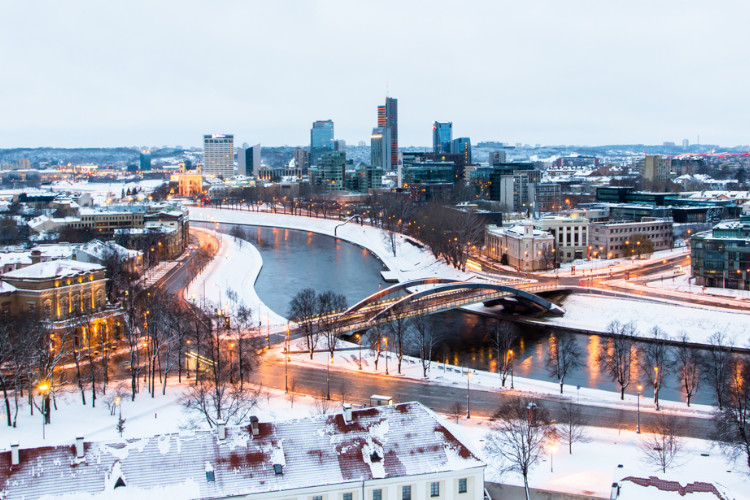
321,139
339,145
145,159
497,157
218,155
442,137
462,146
330,171
655,169
301,160
388,118
380,148
248,160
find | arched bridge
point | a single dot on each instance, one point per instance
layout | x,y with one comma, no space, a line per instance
440,295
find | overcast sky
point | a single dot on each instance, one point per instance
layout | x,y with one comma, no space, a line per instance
108,73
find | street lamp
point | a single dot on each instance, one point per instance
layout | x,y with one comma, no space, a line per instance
638,411
286,361
359,341
510,352
231,363
468,394
328,378
43,389
551,454
385,339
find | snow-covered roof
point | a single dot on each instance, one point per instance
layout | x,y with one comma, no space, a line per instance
388,441
23,258
6,288
52,269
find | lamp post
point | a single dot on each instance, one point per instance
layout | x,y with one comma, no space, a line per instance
231,363
43,388
468,394
286,361
551,454
359,341
328,378
656,386
510,352
385,339
638,411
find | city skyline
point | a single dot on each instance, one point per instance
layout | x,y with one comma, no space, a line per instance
585,73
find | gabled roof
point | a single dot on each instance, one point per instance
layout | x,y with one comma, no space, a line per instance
52,269
388,441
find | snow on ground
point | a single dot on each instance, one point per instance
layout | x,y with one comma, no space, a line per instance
100,191
593,312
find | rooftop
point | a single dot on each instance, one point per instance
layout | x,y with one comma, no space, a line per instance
387,441
52,269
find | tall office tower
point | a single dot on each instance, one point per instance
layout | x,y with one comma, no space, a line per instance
321,139
218,155
497,157
248,160
301,160
339,145
388,118
442,137
380,148
145,159
655,169
462,146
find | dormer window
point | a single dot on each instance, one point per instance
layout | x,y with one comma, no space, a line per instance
278,469
374,457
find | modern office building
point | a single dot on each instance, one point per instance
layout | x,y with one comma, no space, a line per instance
497,157
145,159
623,239
248,160
321,139
388,118
442,137
218,155
462,146
380,148
721,257
330,171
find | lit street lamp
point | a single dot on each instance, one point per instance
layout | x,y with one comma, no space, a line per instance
385,339
468,394
551,454
43,389
359,341
510,353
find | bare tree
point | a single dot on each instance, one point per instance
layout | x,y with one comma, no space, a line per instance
398,328
457,411
216,396
329,305
520,431
302,310
374,337
619,353
291,395
661,445
424,337
656,361
323,406
248,342
571,426
716,365
689,361
502,336
564,355
732,418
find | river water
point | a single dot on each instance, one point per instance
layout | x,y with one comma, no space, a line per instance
294,260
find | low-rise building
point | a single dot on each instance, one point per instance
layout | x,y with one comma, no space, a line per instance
624,239
571,235
401,451
721,257
520,246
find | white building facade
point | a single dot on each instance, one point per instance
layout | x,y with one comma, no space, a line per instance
218,155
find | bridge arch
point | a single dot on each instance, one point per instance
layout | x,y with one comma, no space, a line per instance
543,304
393,289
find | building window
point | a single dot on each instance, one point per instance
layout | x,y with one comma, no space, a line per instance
317,497
435,489
377,494
462,485
347,496
406,493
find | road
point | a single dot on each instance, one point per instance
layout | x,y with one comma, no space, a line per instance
357,387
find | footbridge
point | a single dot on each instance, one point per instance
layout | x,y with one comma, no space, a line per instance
433,295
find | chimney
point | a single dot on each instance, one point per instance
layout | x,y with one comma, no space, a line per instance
347,413
222,430
14,458
254,425
532,414
36,256
79,446
614,494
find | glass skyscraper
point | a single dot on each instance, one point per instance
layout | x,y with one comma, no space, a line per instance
218,155
462,146
321,139
380,148
388,118
442,137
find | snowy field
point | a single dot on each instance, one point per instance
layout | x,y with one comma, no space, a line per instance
594,312
100,191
